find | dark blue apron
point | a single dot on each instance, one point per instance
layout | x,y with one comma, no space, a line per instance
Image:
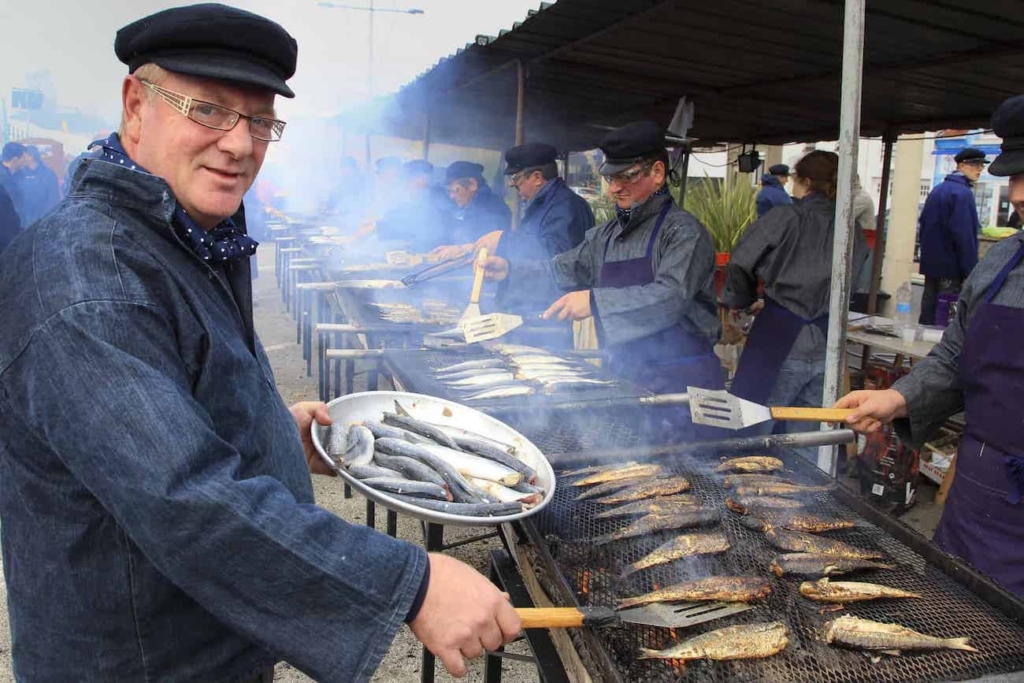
775,330
983,521
667,361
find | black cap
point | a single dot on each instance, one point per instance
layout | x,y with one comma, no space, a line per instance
1008,123
417,167
971,155
778,169
530,155
463,169
629,144
212,41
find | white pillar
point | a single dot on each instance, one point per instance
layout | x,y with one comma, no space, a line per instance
899,245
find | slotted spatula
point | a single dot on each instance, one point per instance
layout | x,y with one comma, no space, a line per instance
494,325
667,615
473,310
718,408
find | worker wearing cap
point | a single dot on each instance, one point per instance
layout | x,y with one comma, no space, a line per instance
773,189
948,230
977,368
477,211
156,503
646,275
421,219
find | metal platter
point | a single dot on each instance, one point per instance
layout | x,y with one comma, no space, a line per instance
371,405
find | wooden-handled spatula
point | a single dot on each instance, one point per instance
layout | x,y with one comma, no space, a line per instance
668,615
718,408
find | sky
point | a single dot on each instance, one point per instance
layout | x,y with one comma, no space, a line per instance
73,40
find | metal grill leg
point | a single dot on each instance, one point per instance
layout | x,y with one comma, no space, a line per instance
350,376
371,514
392,524
433,537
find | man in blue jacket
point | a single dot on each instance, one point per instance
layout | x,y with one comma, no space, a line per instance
477,210
773,189
948,230
155,496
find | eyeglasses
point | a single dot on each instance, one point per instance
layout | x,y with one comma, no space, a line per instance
628,177
218,117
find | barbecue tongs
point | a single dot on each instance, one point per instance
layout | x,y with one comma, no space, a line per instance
437,269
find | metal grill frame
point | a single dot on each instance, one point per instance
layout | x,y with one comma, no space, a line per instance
530,531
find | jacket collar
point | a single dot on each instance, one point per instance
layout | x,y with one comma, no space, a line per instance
119,186
644,210
958,177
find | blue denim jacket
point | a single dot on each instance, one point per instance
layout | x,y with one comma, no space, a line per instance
157,514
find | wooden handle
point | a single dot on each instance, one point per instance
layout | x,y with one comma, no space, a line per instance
478,276
550,617
812,414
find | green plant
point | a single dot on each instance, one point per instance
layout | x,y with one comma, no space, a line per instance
603,208
724,211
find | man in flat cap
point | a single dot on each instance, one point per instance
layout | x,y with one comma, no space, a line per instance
948,229
773,189
478,209
422,219
646,275
157,510
977,368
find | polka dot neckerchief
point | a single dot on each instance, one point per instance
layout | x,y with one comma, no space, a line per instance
222,244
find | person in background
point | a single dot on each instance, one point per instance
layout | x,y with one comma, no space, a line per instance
773,189
790,248
15,157
867,223
387,185
477,211
147,456
348,189
40,190
646,275
948,232
977,368
10,223
422,219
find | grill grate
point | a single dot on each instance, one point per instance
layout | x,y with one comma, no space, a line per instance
947,609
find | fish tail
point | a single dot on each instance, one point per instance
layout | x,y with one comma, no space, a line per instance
646,653
960,644
628,570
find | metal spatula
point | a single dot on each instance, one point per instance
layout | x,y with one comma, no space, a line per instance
494,325
473,310
667,615
717,408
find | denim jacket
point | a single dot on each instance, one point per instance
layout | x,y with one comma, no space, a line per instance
157,513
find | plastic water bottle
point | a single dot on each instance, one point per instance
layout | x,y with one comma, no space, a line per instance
904,300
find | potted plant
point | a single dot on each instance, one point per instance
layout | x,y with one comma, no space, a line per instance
725,211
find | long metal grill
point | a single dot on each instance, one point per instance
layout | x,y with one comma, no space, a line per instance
415,370
590,573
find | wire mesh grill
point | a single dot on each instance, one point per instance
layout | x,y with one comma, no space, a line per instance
947,609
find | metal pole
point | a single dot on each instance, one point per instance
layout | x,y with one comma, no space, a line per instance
369,90
684,172
520,105
849,135
889,141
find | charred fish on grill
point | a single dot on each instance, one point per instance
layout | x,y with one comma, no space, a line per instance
747,641
751,463
809,564
824,590
890,639
679,547
720,588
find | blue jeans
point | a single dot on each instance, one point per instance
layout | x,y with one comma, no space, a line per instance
801,383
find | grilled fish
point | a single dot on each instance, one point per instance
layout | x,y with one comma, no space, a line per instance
745,504
747,641
501,392
647,488
482,364
651,506
610,487
777,489
721,588
592,469
416,489
614,474
795,520
732,480
751,463
824,590
420,427
808,564
799,542
680,519
681,546
891,639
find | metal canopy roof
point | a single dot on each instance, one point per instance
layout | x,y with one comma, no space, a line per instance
757,73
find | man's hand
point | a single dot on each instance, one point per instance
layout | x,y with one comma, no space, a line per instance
872,409
572,306
495,268
488,241
304,413
462,615
450,251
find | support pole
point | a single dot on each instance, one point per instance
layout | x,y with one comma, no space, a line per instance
520,108
684,171
849,136
889,141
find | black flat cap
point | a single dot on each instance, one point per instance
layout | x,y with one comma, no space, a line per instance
463,169
629,144
417,167
971,155
1008,123
212,41
530,155
778,169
